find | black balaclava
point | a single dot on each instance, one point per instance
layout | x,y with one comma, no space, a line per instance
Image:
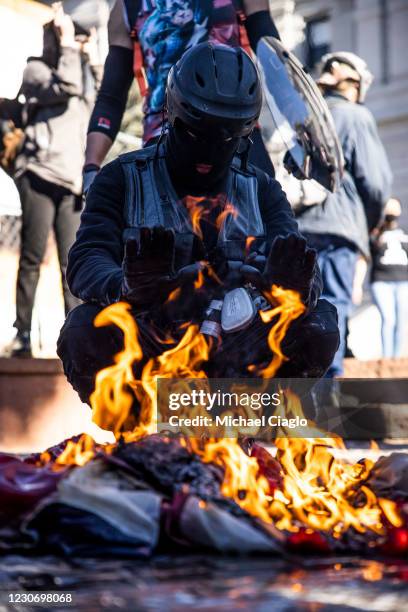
198,163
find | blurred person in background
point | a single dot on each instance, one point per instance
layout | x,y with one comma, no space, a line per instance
357,297
146,38
11,139
389,279
58,90
338,228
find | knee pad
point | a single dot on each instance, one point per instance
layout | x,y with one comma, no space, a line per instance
85,349
311,343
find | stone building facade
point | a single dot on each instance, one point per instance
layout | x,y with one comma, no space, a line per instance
377,30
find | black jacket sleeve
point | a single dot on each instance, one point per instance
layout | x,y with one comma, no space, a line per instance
279,220
94,272
113,93
369,166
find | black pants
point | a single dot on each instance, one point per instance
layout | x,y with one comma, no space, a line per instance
44,206
310,344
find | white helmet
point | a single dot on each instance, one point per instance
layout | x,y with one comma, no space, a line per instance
336,67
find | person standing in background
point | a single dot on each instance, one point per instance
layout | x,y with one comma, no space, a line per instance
338,228
59,90
389,279
146,37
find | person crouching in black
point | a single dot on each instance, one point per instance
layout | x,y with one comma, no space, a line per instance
142,235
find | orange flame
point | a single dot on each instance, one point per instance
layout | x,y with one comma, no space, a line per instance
248,243
112,399
319,491
77,453
229,209
242,481
197,212
289,307
200,280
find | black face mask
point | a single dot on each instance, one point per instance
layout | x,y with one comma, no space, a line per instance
198,163
391,218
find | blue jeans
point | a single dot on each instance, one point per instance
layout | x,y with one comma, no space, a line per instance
391,299
337,264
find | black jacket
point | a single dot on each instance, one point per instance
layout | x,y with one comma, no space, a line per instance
94,270
356,207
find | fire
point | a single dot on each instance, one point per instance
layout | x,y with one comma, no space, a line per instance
242,481
322,492
318,492
200,280
373,571
196,212
248,243
228,209
199,207
183,361
288,307
112,399
77,453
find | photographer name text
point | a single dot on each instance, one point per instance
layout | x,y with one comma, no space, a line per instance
231,422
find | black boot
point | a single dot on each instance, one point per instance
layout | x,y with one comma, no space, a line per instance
20,346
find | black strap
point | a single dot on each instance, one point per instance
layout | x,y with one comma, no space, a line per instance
132,8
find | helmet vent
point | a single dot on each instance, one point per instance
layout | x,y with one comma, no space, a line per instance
200,79
240,65
191,110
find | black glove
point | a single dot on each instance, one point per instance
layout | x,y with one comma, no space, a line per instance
148,268
89,173
290,264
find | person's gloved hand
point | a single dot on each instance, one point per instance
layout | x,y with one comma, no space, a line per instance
148,268
89,173
290,264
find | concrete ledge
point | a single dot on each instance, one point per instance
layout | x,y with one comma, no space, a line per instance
376,368
28,367
38,407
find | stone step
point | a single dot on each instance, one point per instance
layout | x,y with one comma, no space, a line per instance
38,407
376,368
25,367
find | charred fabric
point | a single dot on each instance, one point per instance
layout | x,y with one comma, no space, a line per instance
146,492
157,494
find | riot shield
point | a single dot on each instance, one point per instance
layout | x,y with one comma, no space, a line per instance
300,116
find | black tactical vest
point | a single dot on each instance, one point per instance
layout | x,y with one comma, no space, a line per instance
151,200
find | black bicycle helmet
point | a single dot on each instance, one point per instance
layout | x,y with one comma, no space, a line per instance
213,84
